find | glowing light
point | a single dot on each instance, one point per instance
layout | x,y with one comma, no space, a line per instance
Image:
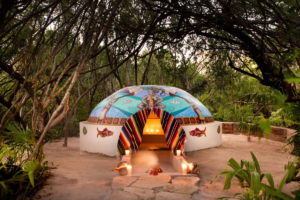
129,170
153,125
184,167
178,152
127,152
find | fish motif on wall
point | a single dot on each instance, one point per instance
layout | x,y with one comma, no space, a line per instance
104,133
197,132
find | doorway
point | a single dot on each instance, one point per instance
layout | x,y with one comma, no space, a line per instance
133,137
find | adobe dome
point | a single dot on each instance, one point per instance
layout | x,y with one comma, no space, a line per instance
121,105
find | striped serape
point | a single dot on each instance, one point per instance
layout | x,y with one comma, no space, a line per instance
132,131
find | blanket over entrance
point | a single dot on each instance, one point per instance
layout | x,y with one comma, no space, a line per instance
132,131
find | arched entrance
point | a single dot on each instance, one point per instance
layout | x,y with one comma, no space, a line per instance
132,131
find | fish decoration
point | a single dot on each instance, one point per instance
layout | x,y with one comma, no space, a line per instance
104,133
197,132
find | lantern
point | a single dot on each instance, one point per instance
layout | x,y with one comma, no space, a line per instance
153,125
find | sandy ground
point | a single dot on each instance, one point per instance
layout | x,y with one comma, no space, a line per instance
81,175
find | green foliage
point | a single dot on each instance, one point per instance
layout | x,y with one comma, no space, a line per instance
249,172
30,169
265,125
250,128
295,141
16,170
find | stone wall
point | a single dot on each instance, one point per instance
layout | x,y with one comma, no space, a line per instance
277,133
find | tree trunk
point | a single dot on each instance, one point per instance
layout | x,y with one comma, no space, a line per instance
146,72
127,74
135,69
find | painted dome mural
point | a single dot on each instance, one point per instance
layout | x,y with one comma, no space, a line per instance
121,105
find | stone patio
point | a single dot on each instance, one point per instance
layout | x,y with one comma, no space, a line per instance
162,187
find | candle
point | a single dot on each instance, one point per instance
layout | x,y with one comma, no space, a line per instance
127,152
178,153
129,170
184,166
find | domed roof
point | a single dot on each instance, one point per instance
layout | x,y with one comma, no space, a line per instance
122,104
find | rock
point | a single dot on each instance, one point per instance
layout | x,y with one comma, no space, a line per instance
182,189
120,182
118,194
185,181
151,182
172,196
143,194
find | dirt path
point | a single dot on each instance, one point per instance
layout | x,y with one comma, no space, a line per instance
82,175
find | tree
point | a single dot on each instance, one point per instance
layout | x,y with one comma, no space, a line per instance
263,31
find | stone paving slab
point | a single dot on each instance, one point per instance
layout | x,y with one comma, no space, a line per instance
185,180
182,189
120,182
145,187
118,194
152,182
143,194
172,196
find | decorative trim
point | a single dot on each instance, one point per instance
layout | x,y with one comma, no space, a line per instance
108,120
116,121
179,120
193,120
186,121
123,121
93,119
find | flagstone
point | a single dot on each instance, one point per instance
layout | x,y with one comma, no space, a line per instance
120,182
152,182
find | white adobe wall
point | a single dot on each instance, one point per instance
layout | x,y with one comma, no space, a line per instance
105,145
212,139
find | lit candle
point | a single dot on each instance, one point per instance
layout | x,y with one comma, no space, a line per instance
151,130
129,170
184,166
127,152
156,130
178,153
